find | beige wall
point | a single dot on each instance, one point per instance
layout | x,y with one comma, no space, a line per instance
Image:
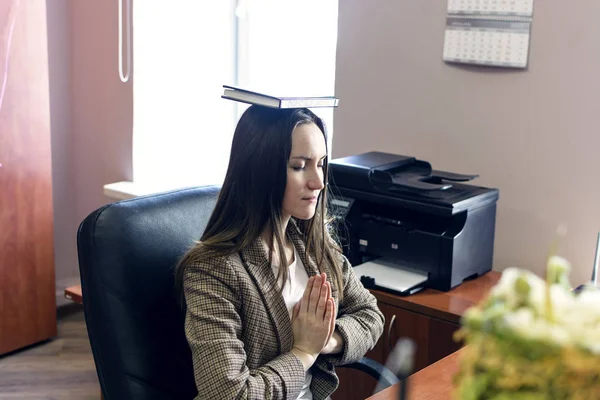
91,116
531,133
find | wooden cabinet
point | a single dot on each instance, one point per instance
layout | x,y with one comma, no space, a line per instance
27,290
433,337
430,318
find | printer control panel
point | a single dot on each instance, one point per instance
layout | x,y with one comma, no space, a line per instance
339,207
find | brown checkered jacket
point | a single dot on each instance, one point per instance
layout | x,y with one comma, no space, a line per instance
240,334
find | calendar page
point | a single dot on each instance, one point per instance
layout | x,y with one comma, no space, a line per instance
488,32
491,7
487,42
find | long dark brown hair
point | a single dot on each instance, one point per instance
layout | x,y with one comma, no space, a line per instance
251,197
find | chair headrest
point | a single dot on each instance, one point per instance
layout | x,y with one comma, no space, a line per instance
127,254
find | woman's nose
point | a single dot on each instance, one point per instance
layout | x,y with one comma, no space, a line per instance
316,183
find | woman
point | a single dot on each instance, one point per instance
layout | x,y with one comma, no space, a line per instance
256,330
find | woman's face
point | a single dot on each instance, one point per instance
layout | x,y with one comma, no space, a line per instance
305,172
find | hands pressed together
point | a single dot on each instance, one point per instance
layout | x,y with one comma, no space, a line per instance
313,321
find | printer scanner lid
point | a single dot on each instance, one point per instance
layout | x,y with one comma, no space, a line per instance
403,177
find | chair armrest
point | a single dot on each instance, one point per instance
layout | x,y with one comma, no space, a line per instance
383,374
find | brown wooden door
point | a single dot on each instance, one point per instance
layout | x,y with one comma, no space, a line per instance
27,291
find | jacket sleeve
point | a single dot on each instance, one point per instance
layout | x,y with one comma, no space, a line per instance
213,329
359,321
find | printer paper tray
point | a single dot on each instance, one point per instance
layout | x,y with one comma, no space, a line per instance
387,275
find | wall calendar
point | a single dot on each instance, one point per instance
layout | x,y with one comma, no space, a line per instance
488,32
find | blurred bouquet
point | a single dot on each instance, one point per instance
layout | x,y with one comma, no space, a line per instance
532,339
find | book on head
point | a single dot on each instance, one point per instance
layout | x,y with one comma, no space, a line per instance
247,96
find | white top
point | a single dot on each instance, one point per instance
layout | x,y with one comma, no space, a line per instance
292,293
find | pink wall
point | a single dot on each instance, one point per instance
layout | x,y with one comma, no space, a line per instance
101,105
60,126
91,116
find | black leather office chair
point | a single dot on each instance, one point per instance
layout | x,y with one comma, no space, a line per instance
127,251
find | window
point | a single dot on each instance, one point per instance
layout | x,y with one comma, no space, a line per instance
184,52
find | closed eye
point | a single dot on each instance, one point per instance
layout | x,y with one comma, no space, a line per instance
303,168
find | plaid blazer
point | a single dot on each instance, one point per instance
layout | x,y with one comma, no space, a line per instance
240,333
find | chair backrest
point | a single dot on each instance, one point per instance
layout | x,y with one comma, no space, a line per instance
127,252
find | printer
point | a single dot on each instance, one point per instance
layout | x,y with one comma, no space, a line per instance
405,227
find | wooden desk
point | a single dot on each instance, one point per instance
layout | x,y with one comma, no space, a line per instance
430,318
447,306
431,383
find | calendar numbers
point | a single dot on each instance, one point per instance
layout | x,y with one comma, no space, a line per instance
503,7
487,42
488,32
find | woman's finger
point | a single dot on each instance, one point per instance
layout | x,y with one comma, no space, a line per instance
314,295
327,289
329,315
306,296
322,301
296,309
333,317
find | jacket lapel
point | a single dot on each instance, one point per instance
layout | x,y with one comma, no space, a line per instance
310,264
257,263
297,238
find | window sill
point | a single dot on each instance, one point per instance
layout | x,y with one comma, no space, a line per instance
128,190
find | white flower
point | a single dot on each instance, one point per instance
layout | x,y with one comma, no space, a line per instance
571,319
